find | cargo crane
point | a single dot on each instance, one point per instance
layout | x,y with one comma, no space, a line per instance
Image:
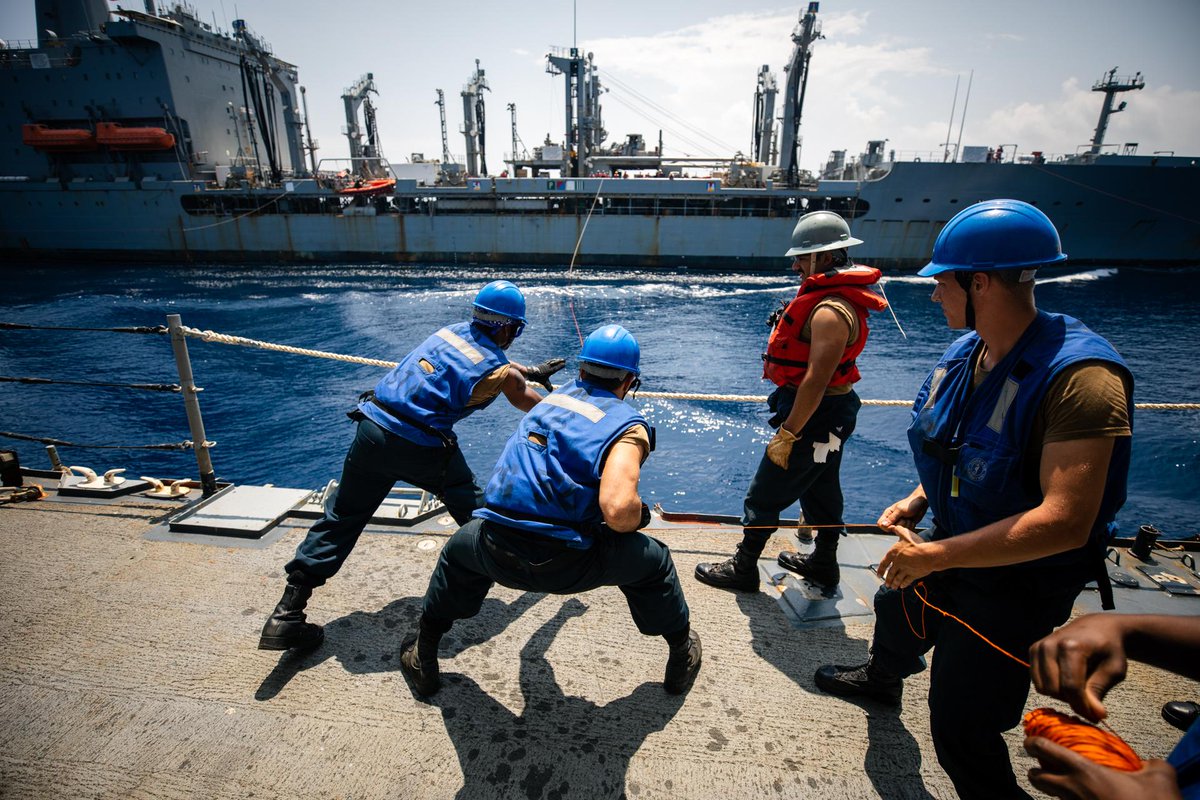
584,128
365,159
523,153
764,117
473,122
441,104
806,32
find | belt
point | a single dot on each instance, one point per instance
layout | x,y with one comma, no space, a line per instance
421,426
507,558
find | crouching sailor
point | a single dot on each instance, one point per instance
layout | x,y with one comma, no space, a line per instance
406,433
562,515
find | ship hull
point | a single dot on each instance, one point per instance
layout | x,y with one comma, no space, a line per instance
1116,214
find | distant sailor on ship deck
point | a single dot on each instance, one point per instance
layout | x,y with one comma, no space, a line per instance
405,433
811,358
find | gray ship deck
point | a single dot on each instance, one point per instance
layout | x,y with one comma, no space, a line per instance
130,670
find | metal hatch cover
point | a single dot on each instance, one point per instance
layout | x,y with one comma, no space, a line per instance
241,511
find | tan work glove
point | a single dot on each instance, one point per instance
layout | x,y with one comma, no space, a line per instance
779,449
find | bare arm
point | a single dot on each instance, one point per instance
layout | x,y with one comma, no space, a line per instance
517,391
829,335
1073,476
620,502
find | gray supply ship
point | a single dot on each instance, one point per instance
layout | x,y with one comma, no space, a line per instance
153,136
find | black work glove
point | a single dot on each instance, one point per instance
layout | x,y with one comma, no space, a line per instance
776,315
542,372
645,520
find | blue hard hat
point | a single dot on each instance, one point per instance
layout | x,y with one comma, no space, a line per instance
612,346
502,298
993,235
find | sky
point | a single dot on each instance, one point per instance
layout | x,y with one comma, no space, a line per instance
885,69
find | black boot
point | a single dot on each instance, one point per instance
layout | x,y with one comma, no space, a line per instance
739,572
820,566
286,628
864,680
418,661
1181,713
683,663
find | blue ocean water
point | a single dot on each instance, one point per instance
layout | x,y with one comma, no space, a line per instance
279,418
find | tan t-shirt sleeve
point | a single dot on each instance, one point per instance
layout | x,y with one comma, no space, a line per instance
637,435
489,386
1089,400
840,306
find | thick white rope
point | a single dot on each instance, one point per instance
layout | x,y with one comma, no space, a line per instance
224,338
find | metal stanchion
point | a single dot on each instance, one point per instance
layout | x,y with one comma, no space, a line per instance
208,480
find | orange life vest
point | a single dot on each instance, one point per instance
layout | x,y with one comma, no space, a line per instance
786,359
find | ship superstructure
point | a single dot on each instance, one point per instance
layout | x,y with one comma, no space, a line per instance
151,135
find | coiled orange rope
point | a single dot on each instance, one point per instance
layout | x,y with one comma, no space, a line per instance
1094,744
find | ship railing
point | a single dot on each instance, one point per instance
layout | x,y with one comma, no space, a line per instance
33,59
178,334
186,388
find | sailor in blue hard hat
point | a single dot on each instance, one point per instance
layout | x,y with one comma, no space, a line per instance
406,433
1021,440
562,515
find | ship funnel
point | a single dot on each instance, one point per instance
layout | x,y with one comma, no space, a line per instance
65,18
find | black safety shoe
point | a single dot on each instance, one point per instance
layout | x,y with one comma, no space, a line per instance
1181,713
421,669
287,627
863,680
739,572
682,665
819,568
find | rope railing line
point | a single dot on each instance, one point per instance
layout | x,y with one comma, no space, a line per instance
148,387
224,338
184,445
242,341
18,326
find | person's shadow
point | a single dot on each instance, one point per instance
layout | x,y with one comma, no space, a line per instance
893,758
369,641
558,746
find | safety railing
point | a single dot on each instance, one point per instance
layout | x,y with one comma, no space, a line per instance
187,389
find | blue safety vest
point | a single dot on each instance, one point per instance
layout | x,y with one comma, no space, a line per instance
553,489
436,395
969,444
1185,758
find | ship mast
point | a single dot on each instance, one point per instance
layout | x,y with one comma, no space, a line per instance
1110,84
806,32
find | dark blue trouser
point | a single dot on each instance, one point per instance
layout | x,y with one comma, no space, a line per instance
639,565
377,459
813,474
975,692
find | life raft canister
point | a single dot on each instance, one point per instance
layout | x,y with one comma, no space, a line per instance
786,359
